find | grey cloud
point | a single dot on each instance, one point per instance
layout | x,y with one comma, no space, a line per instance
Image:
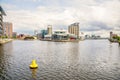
102,1
101,25
96,26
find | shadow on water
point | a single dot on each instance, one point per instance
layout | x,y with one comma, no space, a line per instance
73,53
5,54
1,58
2,62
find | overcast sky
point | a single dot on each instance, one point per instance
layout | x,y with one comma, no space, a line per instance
94,16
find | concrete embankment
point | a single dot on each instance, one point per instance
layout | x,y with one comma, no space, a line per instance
2,41
61,40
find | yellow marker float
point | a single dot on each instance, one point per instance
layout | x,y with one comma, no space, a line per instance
33,65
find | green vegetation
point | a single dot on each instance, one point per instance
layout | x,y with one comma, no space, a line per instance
4,37
117,37
14,37
29,38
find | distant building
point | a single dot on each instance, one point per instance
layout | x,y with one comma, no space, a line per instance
48,37
1,20
49,33
21,36
60,35
112,35
35,32
49,29
43,33
82,36
14,35
8,29
87,37
92,36
72,36
74,29
39,36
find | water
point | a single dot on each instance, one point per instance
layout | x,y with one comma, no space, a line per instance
84,60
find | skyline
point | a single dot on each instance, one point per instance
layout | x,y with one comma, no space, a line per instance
94,16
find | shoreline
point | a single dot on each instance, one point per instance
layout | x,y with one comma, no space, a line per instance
114,41
3,41
60,40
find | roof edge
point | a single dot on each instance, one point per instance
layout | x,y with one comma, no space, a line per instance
3,12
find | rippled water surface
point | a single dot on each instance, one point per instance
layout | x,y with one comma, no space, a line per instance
84,60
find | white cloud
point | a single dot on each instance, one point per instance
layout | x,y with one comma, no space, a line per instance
8,6
66,12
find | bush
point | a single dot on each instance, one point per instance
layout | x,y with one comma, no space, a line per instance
26,38
116,37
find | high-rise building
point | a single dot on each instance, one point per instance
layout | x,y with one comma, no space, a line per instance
111,35
74,29
1,20
49,29
14,35
8,29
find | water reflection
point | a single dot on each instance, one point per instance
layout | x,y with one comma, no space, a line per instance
73,53
1,50
5,56
34,73
84,60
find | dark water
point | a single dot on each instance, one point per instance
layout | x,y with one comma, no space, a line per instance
84,60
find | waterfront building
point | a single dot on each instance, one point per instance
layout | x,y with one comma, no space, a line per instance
82,36
39,35
8,29
49,29
35,32
48,37
1,20
74,29
43,33
60,35
49,33
72,36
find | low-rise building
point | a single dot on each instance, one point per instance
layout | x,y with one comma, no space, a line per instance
48,37
21,36
60,35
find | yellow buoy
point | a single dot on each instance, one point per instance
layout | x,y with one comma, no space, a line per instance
33,65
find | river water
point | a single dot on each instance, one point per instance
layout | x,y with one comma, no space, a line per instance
84,60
